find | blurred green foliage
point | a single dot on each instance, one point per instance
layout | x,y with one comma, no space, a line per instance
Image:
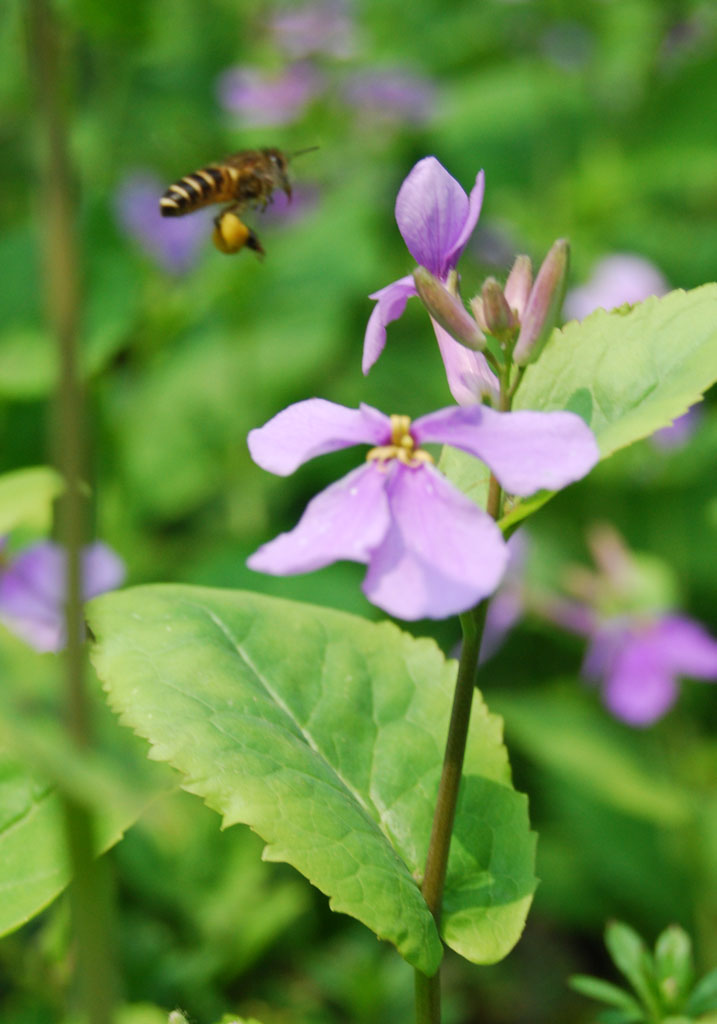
592,121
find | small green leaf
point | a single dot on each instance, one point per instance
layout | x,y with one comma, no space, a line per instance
325,733
673,966
704,995
632,958
605,992
26,497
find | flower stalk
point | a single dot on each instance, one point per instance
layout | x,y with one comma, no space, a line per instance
88,891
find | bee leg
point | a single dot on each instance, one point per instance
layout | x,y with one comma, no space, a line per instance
255,245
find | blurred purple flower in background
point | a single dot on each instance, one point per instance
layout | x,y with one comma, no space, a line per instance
32,590
436,218
430,551
282,210
679,432
616,280
638,663
262,98
507,606
325,27
391,94
638,647
174,242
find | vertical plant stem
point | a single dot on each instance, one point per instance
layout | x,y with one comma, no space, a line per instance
428,1000
90,903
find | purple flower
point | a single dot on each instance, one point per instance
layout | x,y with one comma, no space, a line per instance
325,27
616,280
393,95
679,432
638,663
265,99
507,605
436,219
174,242
32,590
637,646
430,551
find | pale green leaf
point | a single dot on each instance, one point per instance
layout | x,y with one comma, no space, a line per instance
627,373
324,733
26,497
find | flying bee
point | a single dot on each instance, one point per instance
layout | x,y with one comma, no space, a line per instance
244,179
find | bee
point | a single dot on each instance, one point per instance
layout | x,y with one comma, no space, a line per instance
244,179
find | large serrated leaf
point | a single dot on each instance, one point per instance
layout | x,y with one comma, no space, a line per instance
627,373
324,733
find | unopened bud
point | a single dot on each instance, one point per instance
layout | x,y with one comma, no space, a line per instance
498,316
543,306
448,311
476,304
517,287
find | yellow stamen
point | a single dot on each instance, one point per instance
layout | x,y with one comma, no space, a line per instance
402,446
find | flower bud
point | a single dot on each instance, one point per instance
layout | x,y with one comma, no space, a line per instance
498,316
448,311
543,306
517,287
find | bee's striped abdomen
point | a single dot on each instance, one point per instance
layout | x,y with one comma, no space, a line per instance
212,184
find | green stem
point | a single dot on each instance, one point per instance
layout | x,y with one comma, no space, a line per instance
88,892
428,1001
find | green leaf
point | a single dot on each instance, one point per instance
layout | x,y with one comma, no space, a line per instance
674,967
26,497
704,995
324,733
627,373
605,992
32,842
632,958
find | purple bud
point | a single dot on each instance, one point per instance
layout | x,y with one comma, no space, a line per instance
543,306
517,287
498,316
447,310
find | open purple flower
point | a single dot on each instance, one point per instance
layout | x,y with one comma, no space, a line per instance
430,551
32,590
638,663
436,218
638,647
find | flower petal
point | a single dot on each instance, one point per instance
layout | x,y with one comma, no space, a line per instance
347,520
475,202
441,554
470,379
314,427
527,451
433,213
31,596
685,646
391,302
103,569
640,688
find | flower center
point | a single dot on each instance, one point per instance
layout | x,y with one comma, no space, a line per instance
402,446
